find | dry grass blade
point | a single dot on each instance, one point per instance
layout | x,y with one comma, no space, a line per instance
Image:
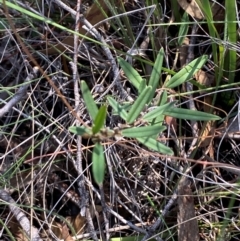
187,222
46,171
94,15
191,8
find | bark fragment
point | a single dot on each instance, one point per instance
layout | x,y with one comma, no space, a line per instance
187,222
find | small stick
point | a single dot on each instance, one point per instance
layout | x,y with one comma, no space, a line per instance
116,80
189,88
20,216
20,94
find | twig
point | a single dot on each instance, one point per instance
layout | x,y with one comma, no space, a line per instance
20,216
108,209
21,93
105,218
159,221
130,51
27,6
84,211
123,220
27,52
78,163
133,213
92,231
232,129
189,88
119,217
112,230
66,7
109,158
116,80
143,48
42,128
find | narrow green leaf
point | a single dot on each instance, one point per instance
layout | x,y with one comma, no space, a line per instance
183,30
133,76
45,20
156,74
190,114
117,108
89,101
100,119
142,86
145,131
155,145
187,72
138,105
98,163
125,106
206,8
79,130
157,111
231,26
175,11
162,100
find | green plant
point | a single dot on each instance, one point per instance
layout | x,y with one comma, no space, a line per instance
144,128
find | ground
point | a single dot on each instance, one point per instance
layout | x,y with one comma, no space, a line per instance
119,119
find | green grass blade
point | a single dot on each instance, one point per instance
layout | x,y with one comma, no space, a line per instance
46,20
162,101
207,11
80,130
187,72
98,163
163,98
231,26
183,30
157,111
133,76
138,105
99,120
175,10
155,145
145,131
156,73
89,101
117,108
190,114
142,86
125,26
